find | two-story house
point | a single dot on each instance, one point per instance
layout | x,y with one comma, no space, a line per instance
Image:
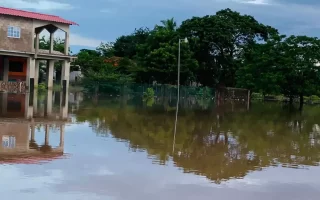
19,46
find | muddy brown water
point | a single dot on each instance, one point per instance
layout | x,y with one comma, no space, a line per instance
126,148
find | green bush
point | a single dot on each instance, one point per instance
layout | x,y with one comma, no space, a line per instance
255,95
149,93
280,97
315,98
42,87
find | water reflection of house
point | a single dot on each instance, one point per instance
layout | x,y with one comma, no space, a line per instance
19,146
19,118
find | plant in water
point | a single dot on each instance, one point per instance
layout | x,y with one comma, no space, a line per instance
41,87
148,97
148,94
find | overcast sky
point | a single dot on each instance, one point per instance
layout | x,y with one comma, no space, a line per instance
105,20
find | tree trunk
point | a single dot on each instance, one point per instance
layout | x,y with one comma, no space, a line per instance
301,102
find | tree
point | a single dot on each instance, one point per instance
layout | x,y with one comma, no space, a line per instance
126,46
219,41
287,66
168,25
106,49
157,58
96,69
259,70
58,45
301,70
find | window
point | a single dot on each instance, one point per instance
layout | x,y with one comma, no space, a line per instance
15,66
8,141
14,31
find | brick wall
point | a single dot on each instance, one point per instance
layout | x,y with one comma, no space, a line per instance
24,43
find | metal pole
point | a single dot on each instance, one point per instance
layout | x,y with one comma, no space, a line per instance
178,84
178,98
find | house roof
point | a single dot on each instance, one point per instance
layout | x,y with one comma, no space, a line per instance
34,15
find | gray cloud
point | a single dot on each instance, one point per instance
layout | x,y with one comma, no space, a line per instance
36,4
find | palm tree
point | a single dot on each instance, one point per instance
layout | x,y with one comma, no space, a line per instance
169,25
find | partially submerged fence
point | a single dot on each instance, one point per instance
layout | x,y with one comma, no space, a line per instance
228,94
220,94
107,88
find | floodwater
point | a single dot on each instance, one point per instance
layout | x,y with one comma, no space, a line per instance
77,147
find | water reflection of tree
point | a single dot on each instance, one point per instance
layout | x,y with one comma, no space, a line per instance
220,148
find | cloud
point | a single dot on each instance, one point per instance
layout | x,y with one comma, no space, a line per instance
257,2
108,11
289,17
45,5
79,40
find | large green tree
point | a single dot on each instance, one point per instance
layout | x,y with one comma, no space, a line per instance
219,42
259,71
300,70
287,66
126,45
157,58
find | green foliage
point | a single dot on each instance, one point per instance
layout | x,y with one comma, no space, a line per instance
224,49
282,65
41,87
255,95
204,92
148,97
58,44
149,93
219,42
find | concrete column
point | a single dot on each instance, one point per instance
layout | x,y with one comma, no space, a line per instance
62,127
33,38
49,103
37,42
35,101
51,43
33,130
36,76
30,71
50,69
65,72
28,113
66,44
46,139
6,69
64,98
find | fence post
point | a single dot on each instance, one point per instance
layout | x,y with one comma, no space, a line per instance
248,99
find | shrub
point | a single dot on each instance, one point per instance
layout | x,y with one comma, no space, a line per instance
149,93
42,87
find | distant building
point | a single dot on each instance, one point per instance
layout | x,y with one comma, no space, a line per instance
19,46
